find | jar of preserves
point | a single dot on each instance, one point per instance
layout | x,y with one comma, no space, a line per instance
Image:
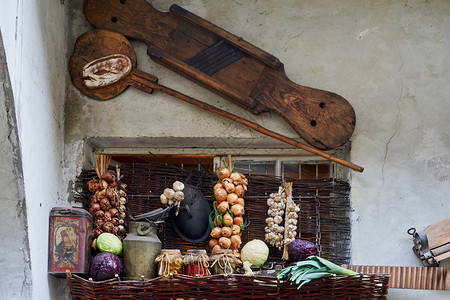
223,261
196,263
170,261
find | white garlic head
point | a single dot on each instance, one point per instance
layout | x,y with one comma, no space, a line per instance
278,219
163,199
178,196
178,186
169,193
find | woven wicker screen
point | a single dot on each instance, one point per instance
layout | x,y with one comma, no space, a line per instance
324,205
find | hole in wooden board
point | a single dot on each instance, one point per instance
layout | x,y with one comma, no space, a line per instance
322,104
123,1
313,123
114,19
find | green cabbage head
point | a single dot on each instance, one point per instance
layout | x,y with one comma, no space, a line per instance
108,242
256,252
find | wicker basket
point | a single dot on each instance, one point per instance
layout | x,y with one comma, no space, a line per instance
364,286
324,201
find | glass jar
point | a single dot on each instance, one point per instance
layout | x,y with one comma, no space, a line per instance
196,263
170,261
223,261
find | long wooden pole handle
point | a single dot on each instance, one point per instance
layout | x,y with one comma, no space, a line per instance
143,81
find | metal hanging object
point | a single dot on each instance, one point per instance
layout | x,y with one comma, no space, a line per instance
432,245
192,222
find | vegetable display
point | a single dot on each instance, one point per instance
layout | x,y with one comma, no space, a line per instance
291,220
314,267
274,231
173,196
226,220
108,205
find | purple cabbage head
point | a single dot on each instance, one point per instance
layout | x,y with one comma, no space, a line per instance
300,250
105,266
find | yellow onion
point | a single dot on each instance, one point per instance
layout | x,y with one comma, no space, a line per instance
235,229
232,198
237,209
235,241
216,247
238,220
218,186
226,231
240,201
223,173
224,242
220,195
235,176
223,206
213,242
239,190
228,185
227,219
216,232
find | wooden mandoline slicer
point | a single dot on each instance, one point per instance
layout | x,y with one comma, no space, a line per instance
229,66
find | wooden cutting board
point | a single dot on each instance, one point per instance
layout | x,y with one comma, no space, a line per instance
229,66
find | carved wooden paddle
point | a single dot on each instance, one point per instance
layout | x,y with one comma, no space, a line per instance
228,66
103,65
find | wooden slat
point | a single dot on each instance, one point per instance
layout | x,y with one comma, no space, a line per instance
424,278
438,234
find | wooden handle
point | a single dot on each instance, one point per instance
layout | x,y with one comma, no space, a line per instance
208,82
133,18
242,121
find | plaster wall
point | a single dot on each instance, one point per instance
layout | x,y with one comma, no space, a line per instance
389,59
15,271
35,44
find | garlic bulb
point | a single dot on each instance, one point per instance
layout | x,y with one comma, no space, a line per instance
178,186
290,228
276,207
163,199
122,200
179,196
278,219
169,193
